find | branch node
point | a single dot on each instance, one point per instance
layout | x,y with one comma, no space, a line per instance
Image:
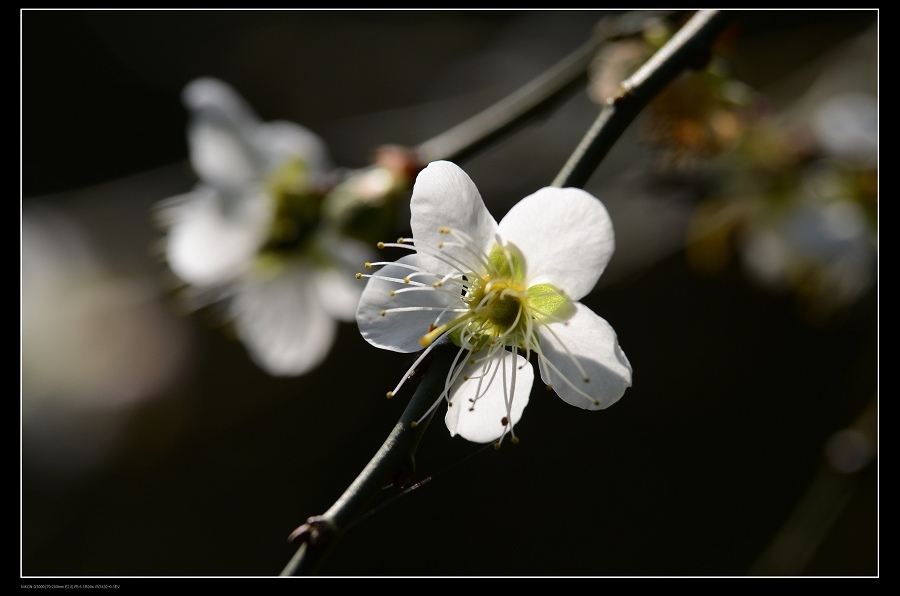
316,531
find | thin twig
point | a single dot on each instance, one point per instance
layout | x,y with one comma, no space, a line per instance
396,456
687,49
392,464
568,75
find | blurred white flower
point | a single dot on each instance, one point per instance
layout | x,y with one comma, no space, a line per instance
251,233
799,203
822,242
846,125
488,287
824,249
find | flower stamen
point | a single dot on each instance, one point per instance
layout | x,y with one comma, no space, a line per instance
497,309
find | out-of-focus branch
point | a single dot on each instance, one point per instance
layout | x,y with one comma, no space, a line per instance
533,99
847,454
689,48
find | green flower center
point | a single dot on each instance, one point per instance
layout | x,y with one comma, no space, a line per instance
501,308
498,309
297,205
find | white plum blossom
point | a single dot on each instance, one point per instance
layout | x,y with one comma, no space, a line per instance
250,232
504,293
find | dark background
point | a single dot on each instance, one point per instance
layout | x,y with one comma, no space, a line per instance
153,447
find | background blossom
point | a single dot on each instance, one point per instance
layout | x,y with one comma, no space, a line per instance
251,232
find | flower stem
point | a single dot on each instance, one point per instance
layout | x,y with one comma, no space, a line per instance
688,48
566,76
393,464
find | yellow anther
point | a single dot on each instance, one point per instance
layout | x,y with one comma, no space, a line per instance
413,424
444,230
359,276
596,402
587,379
389,394
392,293
401,240
440,245
514,440
406,280
368,265
384,312
380,245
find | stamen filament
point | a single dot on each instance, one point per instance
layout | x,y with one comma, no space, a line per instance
455,370
546,365
409,372
569,353
435,333
421,308
468,243
395,280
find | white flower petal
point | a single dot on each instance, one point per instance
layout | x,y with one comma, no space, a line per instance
565,235
338,291
445,196
591,341
281,321
279,141
220,134
399,331
208,94
335,279
210,242
847,126
479,405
